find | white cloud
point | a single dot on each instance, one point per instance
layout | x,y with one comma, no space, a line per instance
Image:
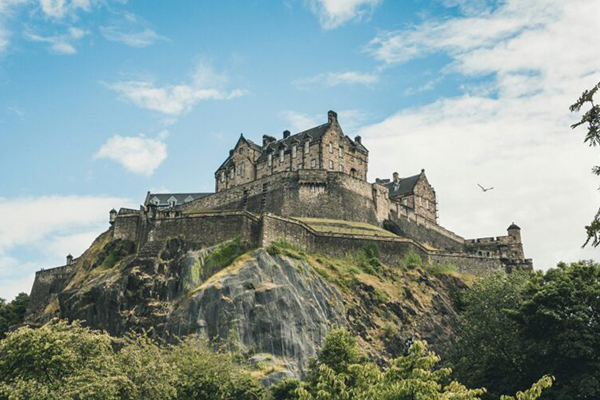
7,9
138,154
334,13
49,227
299,122
338,78
130,30
61,44
60,8
206,84
512,132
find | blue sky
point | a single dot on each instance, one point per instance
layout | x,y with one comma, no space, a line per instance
102,100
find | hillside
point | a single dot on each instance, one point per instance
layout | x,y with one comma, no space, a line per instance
273,304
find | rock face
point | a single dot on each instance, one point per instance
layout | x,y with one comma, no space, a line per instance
269,305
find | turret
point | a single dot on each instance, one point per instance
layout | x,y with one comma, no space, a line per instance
515,232
69,260
112,216
332,117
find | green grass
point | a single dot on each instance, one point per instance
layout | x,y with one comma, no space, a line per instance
222,256
285,248
410,260
441,269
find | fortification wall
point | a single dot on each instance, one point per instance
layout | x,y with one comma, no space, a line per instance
207,229
467,263
47,284
391,249
127,225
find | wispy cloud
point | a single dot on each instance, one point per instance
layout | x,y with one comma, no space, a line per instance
138,154
298,121
70,228
58,9
512,131
206,84
60,44
338,78
334,13
130,30
16,111
7,9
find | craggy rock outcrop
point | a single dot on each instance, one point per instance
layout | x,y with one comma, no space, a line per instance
271,305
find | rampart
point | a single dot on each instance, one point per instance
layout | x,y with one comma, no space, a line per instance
47,284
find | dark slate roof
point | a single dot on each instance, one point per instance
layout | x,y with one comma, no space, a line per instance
181,198
315,133
403,187
513,226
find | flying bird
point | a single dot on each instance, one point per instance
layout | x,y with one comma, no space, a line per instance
484,189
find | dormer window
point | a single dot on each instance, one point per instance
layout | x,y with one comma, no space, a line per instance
306,147
172,201
281,155
188,199
270,159
222,176
294,150
155,201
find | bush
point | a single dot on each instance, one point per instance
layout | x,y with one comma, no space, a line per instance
410,260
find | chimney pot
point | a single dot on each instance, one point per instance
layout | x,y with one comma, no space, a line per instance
358,139
286,134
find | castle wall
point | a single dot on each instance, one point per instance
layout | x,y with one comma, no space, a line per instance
207,229
127,225
47,284
468,263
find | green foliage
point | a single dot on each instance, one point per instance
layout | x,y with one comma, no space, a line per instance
488,350
62,361
519,327
441,269
283,247
410,260
341,372
224,255
114,252
13,313
591,118
286,389
368,259
206,375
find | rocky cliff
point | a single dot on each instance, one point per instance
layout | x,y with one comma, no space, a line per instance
274,305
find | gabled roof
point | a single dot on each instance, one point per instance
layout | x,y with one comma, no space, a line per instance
315,133
181,198
403,187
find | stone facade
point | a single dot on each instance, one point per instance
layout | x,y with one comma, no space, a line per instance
324,147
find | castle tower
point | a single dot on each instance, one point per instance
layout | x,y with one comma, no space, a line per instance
516,247
69,260
515,232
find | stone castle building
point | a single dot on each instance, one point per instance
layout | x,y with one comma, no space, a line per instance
310,189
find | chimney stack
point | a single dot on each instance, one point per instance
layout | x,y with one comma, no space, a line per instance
396,177
332,117
230,153
286,134
69,260
267,139
358,139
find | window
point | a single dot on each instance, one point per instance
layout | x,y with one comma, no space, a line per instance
270,159
330,164
241,151
427,204
294,149
222,176
405,202
313,163
281,155
306,147
242,170
300,166
341,152
331,148
232,173
341,168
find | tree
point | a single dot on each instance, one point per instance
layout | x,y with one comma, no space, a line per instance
343,373
488,350
516,329
13,313
591,118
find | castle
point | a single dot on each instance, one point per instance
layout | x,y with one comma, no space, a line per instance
309,189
